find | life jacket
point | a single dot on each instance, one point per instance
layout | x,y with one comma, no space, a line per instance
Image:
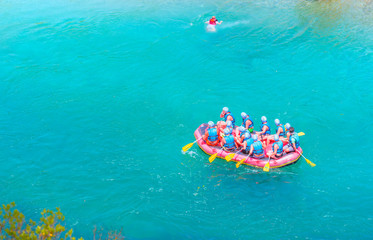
258,149
213,134
249,142
229,142
268,132
280,149
244,122
283,130
296,138
213,21
226,116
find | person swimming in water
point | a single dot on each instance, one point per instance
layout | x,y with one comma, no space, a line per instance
213,21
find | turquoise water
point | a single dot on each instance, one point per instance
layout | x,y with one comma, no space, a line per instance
98,97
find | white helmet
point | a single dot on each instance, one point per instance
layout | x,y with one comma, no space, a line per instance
226,131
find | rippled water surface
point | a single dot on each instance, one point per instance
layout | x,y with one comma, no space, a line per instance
98,97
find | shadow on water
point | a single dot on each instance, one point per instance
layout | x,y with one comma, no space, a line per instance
325,15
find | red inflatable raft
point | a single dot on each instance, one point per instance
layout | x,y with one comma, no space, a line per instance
285,160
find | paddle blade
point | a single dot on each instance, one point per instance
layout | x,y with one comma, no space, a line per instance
239,163
301,134
229,157
310,163
213,156
188,146
266,167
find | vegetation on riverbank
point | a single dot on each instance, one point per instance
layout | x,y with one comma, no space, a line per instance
13,225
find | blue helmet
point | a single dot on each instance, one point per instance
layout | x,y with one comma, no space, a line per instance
243,115
242,129
264,119
229,123
276,138
287,126
211,123
225,109
227,131
277,121
247,135
255,137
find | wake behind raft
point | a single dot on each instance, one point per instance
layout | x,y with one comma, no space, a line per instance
241,158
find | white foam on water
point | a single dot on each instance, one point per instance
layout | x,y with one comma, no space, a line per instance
210,28
234,24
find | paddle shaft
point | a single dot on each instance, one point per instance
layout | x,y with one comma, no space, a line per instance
301,154
198,139
219,152
236,153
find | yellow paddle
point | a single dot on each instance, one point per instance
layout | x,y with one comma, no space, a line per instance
301,134
240,162
230,156
188,146
266,167
213,156
308,161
